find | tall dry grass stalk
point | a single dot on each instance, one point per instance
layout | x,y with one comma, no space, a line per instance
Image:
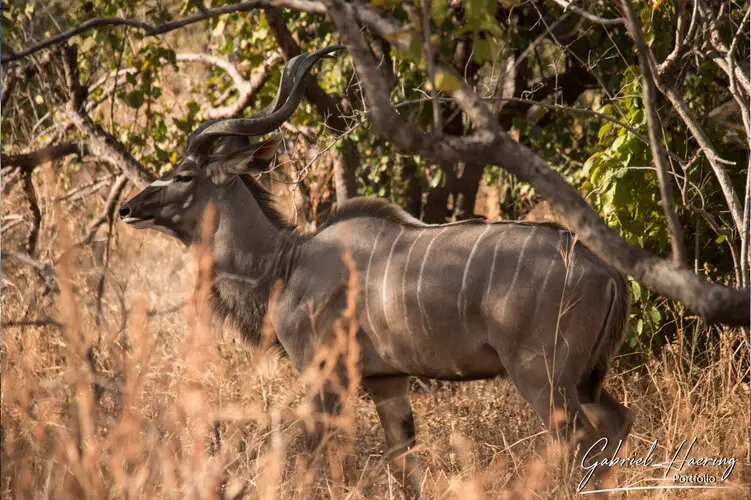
152,405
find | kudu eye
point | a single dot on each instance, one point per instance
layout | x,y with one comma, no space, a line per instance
183,178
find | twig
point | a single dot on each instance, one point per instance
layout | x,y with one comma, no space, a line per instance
588,16
159,29
170,310
101,143
109,213
728,238
36,322
247,89
7,226
9,83
45,272
85,189
680,38
719,46
430,66
655,136
109,210
29,161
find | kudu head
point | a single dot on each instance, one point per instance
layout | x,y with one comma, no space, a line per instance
217,152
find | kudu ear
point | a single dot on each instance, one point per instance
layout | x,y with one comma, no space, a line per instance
250,160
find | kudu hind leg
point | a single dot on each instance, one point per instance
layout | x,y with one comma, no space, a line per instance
391,398
610,418
557,405
613,421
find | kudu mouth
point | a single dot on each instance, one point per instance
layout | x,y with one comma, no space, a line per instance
127,216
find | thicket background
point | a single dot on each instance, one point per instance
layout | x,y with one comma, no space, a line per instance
567,86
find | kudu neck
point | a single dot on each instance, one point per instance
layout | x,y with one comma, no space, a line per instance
246,243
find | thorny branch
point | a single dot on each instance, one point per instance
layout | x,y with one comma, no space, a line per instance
491,145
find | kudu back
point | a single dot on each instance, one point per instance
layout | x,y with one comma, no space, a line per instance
457,301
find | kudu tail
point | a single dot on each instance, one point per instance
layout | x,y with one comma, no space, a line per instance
611,337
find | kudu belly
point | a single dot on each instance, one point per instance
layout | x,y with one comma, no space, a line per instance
451,301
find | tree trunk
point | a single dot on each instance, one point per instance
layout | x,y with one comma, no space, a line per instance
436,206
466,194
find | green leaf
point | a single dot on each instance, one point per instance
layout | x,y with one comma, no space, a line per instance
618,143
439,10
446,82
636,291
134,99
481,49
654,315
436,180
604,130
479,9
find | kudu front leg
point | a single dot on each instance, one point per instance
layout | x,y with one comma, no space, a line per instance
324,441
391,397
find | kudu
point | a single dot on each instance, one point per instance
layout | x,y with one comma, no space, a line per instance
457,301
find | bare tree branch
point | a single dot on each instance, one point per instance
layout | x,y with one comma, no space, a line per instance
36,214
9,83
45,271
29,161
247,89
491,145
561,107
101,143
681,38
326,106
109,210
721,48
159,29
655,135
37,322
588,16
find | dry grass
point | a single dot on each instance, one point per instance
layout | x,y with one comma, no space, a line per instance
136,403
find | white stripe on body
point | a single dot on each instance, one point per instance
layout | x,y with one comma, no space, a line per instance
572,260
552,264
419,280
367,278
463,308
492,270
404,282
386,277
518,268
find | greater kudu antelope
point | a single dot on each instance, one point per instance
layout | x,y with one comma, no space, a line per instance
455,301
